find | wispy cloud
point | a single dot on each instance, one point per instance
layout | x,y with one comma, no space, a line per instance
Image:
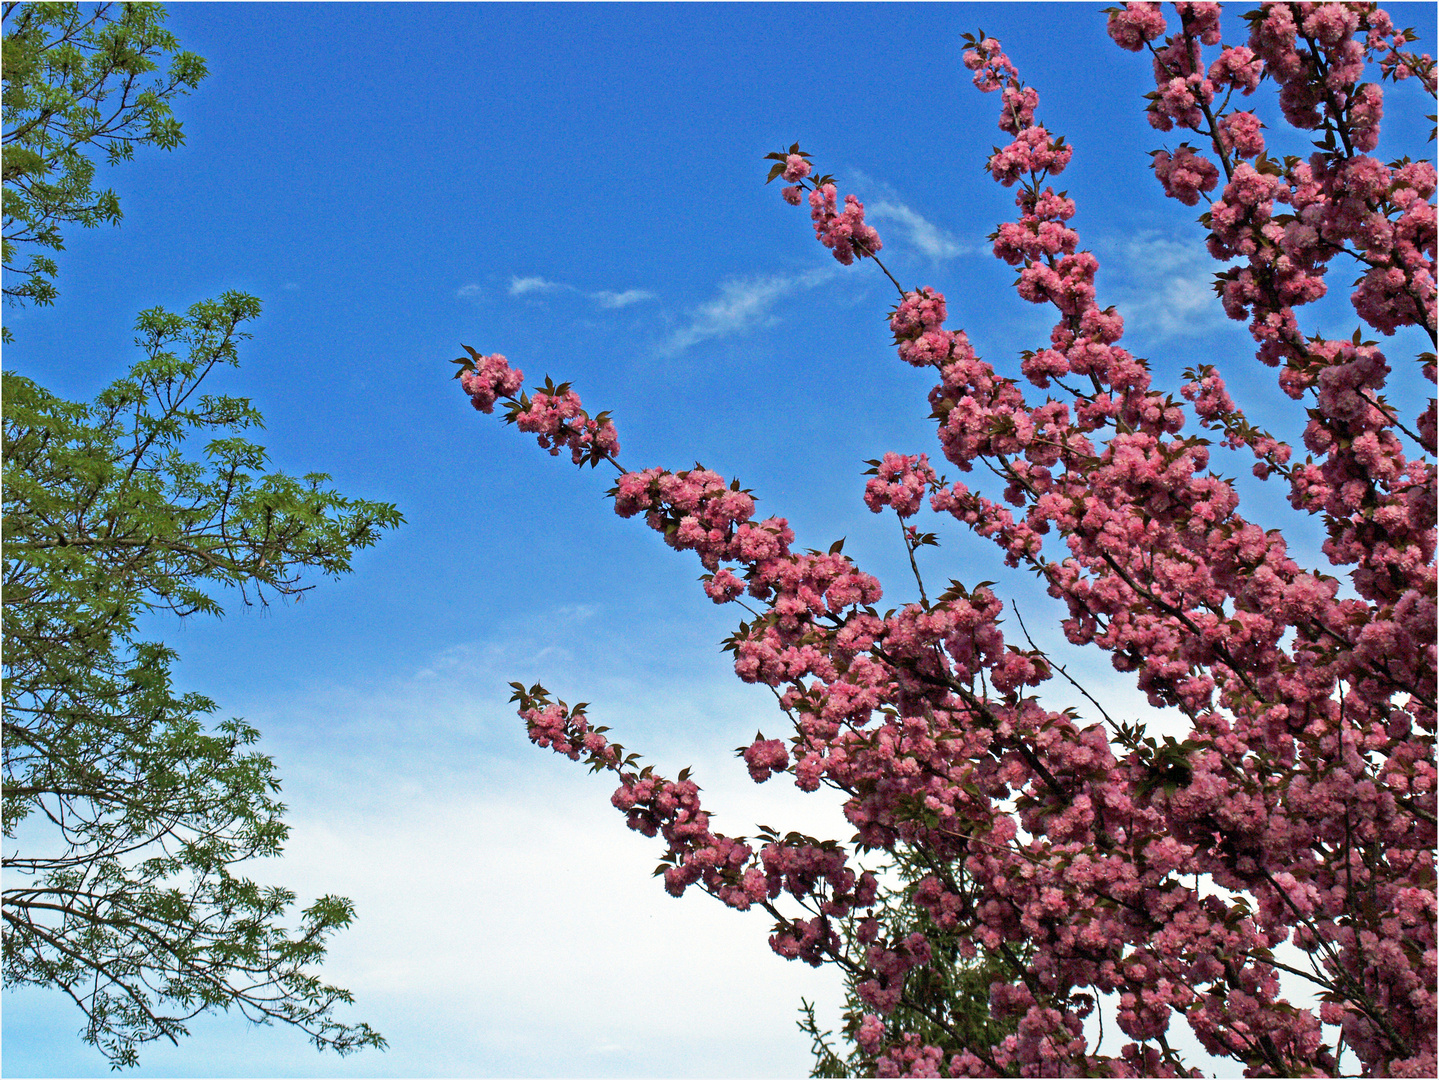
922,233
607,299
522,286
885,204
577,612
470,292
1164,286
743,303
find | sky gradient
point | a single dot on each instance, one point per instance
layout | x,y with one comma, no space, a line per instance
581,188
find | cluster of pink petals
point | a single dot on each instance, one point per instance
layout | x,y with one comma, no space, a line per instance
1381,214
842,231
1315,54
725,867
1387,46
561,423
1032,151
992,69
900,481
1240,133
764,757
1180,100
910,1057
1304,789
1184,174
491,379
1183,89
1236,68
1136,24
1019,105
555,726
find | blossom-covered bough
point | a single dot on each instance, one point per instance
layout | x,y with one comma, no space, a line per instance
1089,864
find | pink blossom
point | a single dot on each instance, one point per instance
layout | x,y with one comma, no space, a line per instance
489,379
765,756
1136,24
1185,174
1240,132
845,233
1237,68
1297,784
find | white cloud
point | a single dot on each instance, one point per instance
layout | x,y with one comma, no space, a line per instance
500,904
886,205
470,292
496,888
607,299
577,612
922,233
1163,286
743,303
521,286
507,921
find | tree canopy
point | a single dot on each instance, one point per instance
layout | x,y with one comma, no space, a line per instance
1073,861
127,811
79,83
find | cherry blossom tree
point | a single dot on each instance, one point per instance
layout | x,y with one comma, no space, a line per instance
1268,877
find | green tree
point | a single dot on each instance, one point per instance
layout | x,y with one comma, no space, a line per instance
78,82
952,990
127,813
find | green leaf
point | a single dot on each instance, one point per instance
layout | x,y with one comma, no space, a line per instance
79,86
150,500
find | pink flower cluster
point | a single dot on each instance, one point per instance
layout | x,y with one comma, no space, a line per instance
560,422
794,169
993,71
842,231
1136,24
1078,853
764,757
566,731
725,867
1240,134
1185,175
1342,201
900,481
1183,89
554,414
1387,45
1379,214
488,378
694,510
1032,151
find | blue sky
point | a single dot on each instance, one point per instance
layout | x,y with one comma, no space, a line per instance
581,188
